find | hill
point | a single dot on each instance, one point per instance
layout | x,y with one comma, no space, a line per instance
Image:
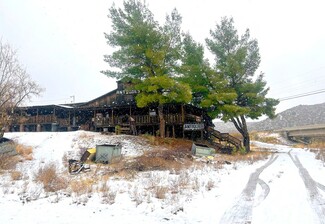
155,181
297,116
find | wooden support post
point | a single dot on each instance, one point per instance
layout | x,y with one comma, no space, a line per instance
53,117
183,119
69,121
112,116
21,128
37,115
183,114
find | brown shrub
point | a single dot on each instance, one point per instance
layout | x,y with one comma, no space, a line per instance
162,160
51,180
160,192
108,195
8,162
25,151
82,186
16,175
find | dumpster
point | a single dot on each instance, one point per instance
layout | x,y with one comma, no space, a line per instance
106,153
202,150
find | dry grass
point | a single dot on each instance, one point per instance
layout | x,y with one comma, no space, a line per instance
209,185
108,195
167,159
317,144
169,143
25,151
264,137
16,175
8,162
137,196
82,186
251,157
174,154
51,181
160,192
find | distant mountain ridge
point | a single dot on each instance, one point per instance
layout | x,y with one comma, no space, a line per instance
301,115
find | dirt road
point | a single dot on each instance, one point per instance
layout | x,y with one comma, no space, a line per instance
283,185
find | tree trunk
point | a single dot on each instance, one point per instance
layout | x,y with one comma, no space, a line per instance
241,126
245,135
246,142
161,121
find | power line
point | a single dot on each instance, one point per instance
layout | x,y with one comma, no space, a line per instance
316,76
303,95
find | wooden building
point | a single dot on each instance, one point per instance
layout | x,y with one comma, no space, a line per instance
114,110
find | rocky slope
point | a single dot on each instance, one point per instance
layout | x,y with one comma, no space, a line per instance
297,116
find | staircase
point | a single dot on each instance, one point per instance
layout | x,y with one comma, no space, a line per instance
223,137
124,129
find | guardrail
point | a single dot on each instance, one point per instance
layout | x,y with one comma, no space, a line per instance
305,131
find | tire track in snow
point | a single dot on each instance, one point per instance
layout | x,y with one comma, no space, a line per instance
320,186
265,193
316,199
241,211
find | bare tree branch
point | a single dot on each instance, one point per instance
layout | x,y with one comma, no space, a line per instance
16,85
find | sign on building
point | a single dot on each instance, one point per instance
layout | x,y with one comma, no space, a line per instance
192,127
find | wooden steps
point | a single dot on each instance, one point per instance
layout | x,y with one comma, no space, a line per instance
224,137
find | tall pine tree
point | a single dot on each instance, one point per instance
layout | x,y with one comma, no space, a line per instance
242,96
147,54
195,69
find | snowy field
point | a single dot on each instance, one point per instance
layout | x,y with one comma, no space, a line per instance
287,187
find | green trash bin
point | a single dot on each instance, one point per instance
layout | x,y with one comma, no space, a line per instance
202,150
106,153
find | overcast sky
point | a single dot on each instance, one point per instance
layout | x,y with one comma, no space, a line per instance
61,42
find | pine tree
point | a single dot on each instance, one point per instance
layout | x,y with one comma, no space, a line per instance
147,54
237,95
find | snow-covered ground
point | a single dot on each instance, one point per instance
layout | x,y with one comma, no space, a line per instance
288,187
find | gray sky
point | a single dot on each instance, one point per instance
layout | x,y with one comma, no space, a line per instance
61,42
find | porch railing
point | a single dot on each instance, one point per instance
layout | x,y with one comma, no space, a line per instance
42,119
139,120
108,121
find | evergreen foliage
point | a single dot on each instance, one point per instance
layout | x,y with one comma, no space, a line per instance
241,97
147,54
195,69
159,60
